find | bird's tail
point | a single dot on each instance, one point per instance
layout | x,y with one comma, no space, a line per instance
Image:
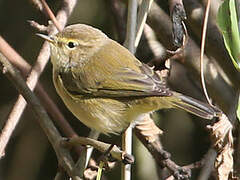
195,107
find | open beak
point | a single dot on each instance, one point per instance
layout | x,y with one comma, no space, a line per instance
47,38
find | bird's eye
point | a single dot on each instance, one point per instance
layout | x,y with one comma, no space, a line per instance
71,45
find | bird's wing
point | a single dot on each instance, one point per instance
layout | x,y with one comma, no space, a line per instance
119,74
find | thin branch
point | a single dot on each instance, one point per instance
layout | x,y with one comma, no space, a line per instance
85,155
51,15
129,43
37,4
149,134
25,68
127,147
220,91
52,133
59,176
83,159
115,152
215,43
156,48
141,20
202,51
93,135
208,165
43,57
37,26
131,26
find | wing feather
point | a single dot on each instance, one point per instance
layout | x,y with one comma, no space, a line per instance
120,74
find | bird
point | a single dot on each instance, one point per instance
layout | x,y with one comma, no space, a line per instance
105,86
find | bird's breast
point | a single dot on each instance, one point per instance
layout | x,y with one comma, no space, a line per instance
104,115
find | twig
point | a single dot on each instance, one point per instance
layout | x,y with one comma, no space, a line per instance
37,26
149,135
131,26
102,147
93,135
222,94
80,164
83,160
129,43
43,57
59,176
154,45
215,43
53,135
141,20
127,146
85,155
208,165
37,4
202,51
51,15
195,165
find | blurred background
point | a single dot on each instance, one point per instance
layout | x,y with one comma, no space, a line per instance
29,155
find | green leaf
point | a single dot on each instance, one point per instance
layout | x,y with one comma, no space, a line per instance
228,23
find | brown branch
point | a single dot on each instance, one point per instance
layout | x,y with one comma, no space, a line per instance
157,17
37,26
149,134
42,59
208,165
52,133
25,68
37,4
51,15
115,152
60,176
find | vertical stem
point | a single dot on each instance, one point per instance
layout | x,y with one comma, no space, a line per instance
131,26
129,43
127,147
142,16
204,32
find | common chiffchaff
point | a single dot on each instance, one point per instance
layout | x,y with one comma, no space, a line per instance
105,86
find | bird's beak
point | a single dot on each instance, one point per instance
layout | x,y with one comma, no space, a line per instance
47,38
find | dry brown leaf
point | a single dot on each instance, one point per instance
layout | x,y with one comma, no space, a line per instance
148,129
223,143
